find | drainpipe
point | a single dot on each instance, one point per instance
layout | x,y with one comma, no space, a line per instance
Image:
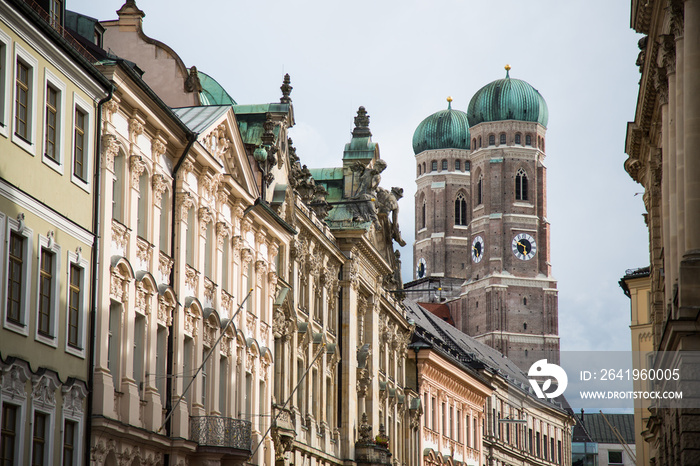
96,212
191,139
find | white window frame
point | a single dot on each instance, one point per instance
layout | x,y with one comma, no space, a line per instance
33,65
5,67
14,225
83,263
21,405
82,104
78,436
45,243
50,413
52,80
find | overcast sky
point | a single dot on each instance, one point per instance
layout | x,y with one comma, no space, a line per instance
402,59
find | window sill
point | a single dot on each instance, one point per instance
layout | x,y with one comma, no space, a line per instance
48,340
19,328
24,144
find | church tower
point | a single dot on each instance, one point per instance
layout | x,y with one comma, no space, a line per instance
485,225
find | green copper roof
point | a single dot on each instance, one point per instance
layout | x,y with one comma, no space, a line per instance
507,99
361,145
212,92
446,129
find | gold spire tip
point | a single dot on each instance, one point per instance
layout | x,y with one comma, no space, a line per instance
449,98
507,67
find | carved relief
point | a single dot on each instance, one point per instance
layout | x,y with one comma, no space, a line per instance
184,203
205,216
191,320
246,257
144,250
209,289
157,148
110,151
13,381
165,312
137,167
165,265
217,143
226,303
135,130
223,230
209,334
110,108
160,184
191,278
120,234
44,391
73,397
260,269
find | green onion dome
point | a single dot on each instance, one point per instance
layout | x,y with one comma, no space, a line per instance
446,129
507,99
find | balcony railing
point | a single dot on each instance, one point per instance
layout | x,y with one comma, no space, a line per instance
217,431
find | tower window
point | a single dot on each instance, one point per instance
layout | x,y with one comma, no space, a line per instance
521,185
467,165
524,301
444,165
479,190
433,166
503,138
473,143
479,142
423,216
423,167
419,169
517,138
492,140
525,326
458,165
460,210
528,140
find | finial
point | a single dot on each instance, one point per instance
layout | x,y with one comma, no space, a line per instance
507,67
286,90
361,124
449,102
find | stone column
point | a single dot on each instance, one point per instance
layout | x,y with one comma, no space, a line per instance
689,274
680,159
668,154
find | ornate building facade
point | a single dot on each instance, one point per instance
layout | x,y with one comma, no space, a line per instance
49,107
482,235
662,145
482,411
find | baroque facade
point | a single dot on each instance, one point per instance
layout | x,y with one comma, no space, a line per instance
662,145
482,235
49,106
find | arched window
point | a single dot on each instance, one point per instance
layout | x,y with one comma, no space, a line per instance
502,138
460,210
473,143
467,165
517,138
458,166
521,185
423,167
433,166
422,216
528,140
480,190
418,169
165,211
479,142
492,139
444,165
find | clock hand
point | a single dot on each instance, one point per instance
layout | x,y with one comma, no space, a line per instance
524,248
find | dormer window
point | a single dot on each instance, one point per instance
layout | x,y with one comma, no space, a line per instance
55,8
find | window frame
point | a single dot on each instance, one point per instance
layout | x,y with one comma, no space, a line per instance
492,140
86,108
77,437
46,244
59,86
622,457
443,165
5,67
502,139
10,226
433,166
460,210
20,405
32,64
458,165
77,260
521,185
49,435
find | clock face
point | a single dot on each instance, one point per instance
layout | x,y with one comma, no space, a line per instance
477,249
524,246
421,268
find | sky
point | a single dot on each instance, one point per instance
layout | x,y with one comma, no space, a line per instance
401,60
